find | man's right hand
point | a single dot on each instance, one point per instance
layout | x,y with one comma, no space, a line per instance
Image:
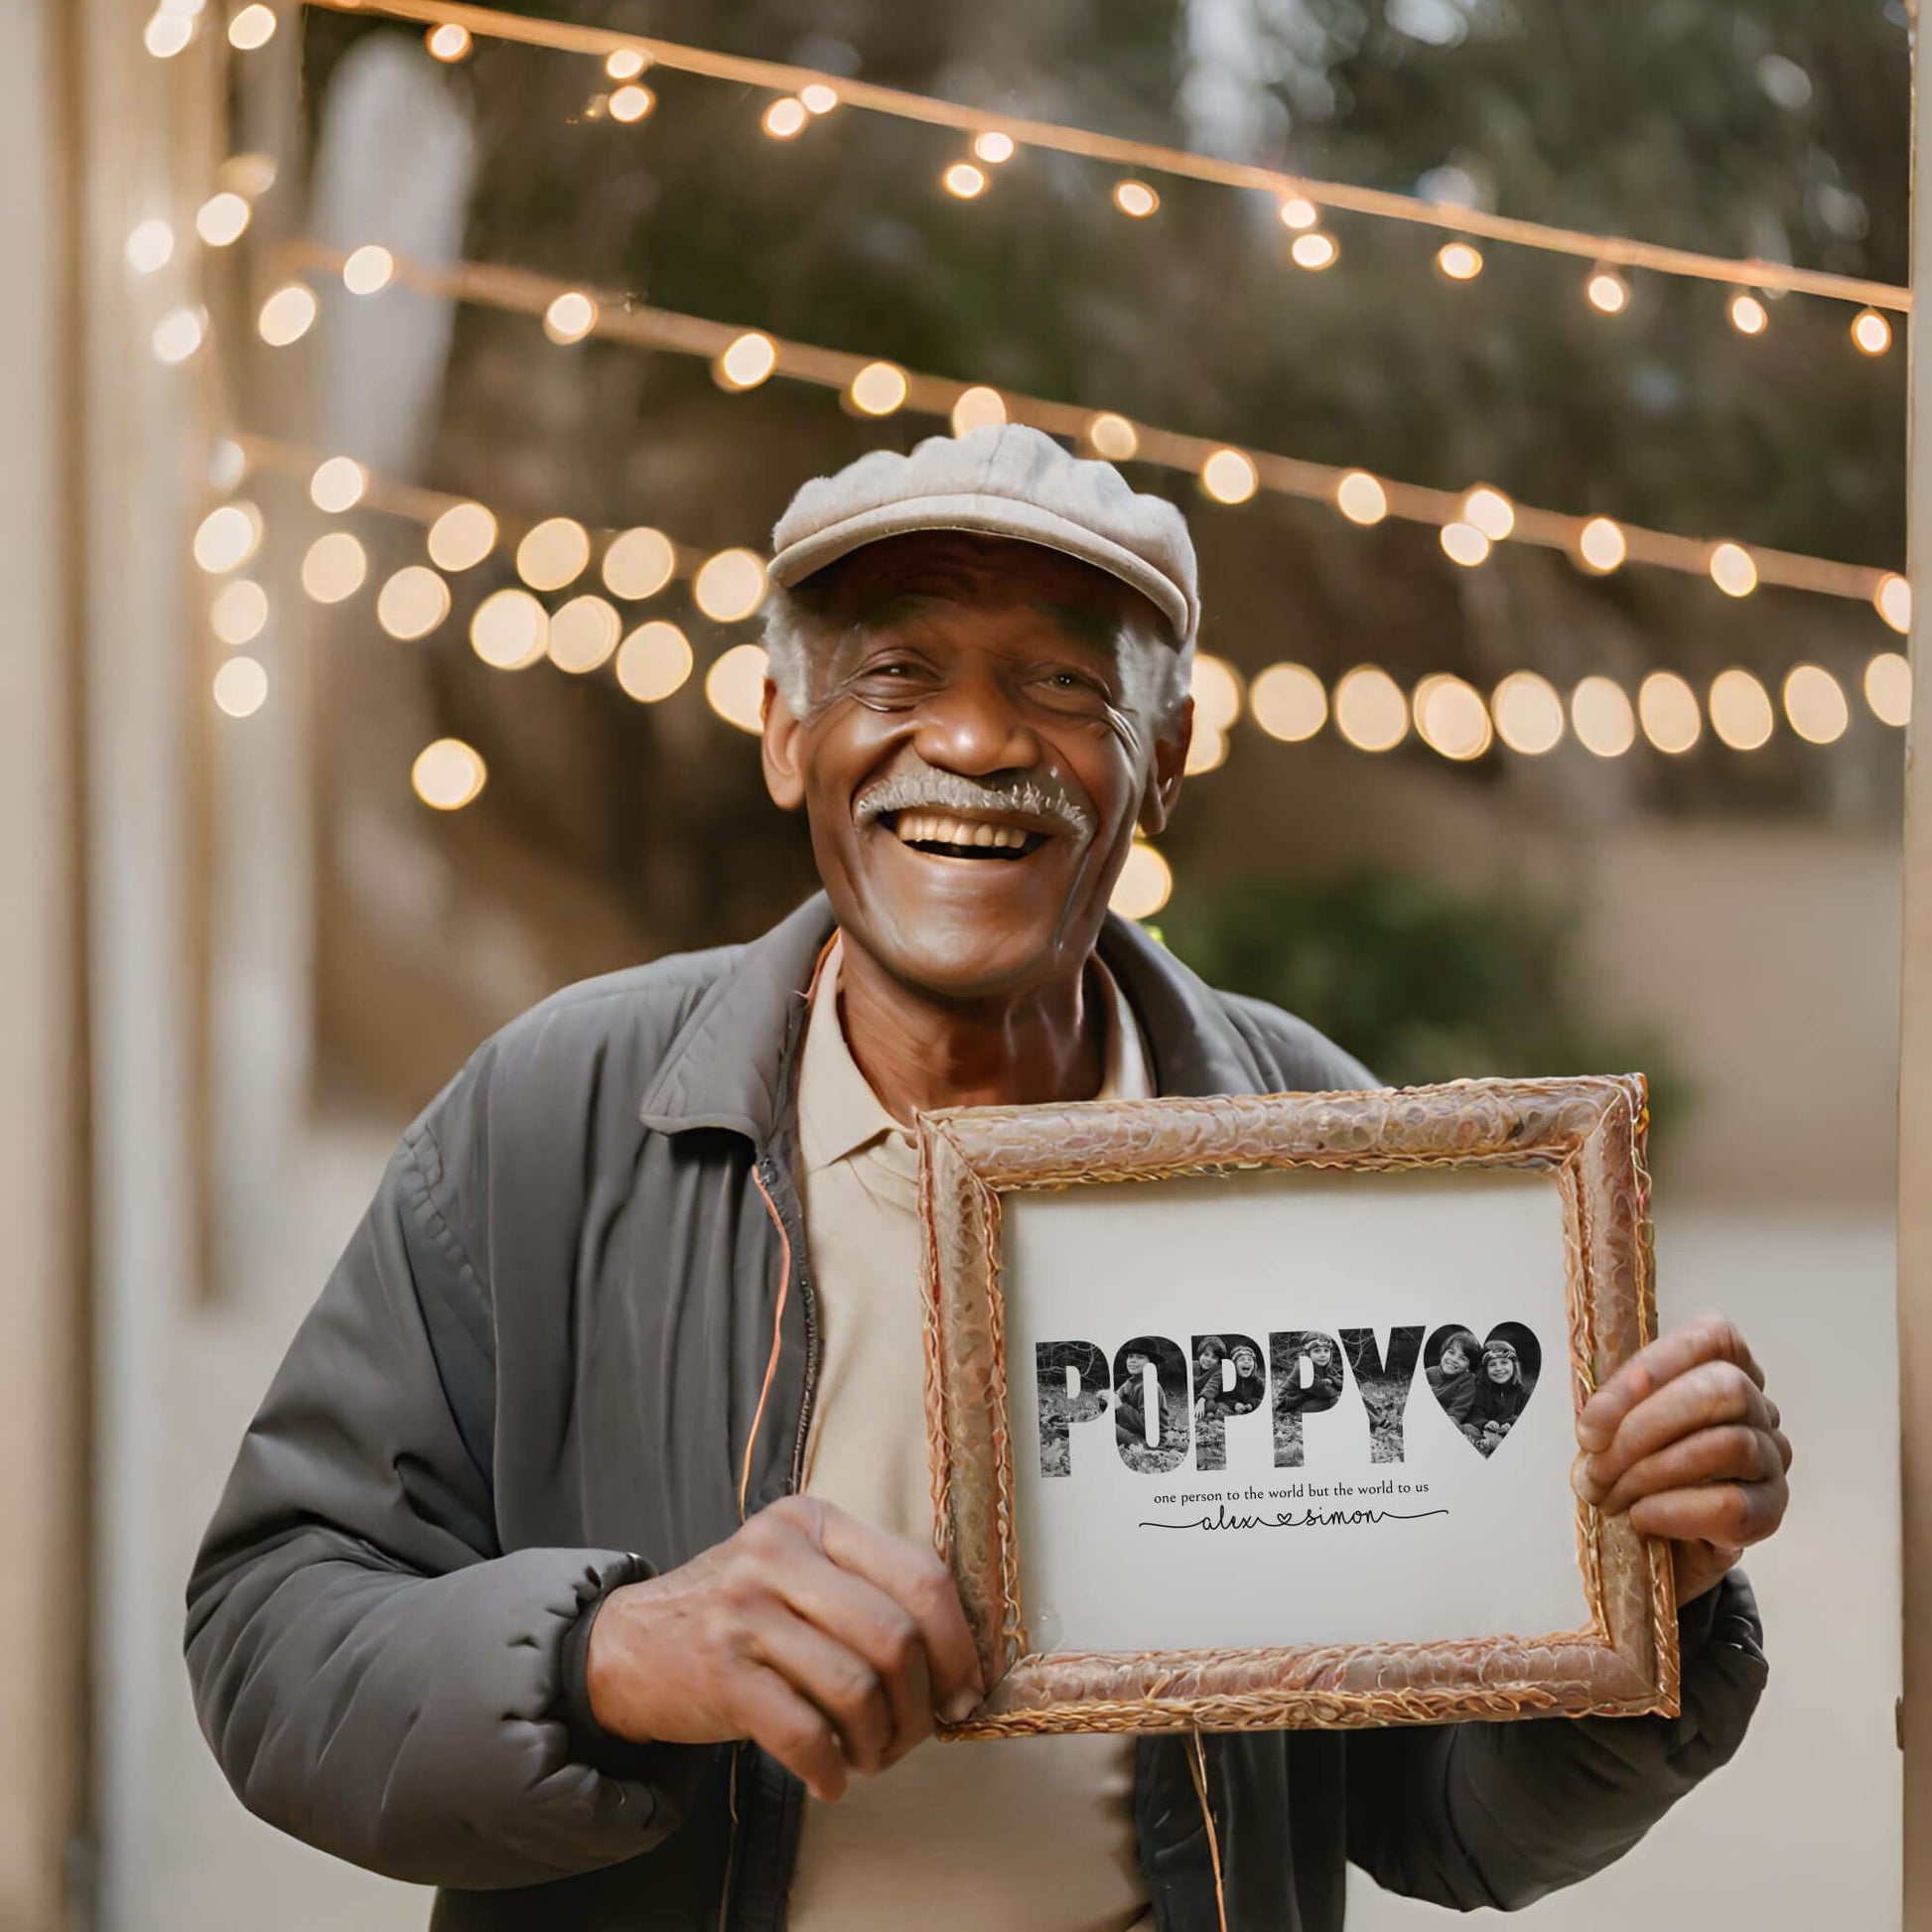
828,1643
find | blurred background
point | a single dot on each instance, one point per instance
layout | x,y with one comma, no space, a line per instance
399,399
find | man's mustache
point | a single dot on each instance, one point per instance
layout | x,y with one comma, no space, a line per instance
1038,794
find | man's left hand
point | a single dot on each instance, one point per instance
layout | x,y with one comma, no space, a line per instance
1683,1438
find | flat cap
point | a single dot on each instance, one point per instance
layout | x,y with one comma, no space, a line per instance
1002,481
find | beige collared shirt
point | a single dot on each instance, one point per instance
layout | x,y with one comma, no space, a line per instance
1024,1835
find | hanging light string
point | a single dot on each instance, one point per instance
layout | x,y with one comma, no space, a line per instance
790,81
1471,521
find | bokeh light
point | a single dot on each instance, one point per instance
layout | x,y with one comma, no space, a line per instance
1528,713
878,389
626,64
1112,437
817,98
1608,291
1465,544
1733,570
733,687
638,564
1740,710
178,333
1871,332
240,687
746,361
240,613
1888,687
509,630
336,568
412,603
369,269
728,586
223,220
1361,498
1288,702
288,315
339,483
1748,315
1145,884
584,634
1216,691
1135,198
1460,261
448,42
964,181
1370,709
1451,717
1667,708
554,553
1814,701
570,318
1298,212
461,537
653,662
228,537
253,27
448,775
1207,751
1229,475
1601,718
1317,250
784,118
1602,544
630,104
976,408
150,247
993,147
1893,600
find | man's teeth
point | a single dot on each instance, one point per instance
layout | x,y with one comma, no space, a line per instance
929,828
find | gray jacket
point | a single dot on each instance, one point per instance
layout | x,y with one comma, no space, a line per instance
530,1379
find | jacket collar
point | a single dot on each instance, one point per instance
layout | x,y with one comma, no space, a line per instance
729,1064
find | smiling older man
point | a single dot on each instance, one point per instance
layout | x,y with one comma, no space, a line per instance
582,1552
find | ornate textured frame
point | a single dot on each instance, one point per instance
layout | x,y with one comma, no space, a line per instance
1588,1132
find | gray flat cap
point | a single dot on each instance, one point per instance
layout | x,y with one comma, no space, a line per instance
1002,481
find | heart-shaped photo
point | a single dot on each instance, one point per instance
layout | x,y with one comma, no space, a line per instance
1484,1386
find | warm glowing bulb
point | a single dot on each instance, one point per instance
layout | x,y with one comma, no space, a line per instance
1135,198
1601,544
1740,710
746,361
1668,710
1207,751
1143,885
976,408
818,97
369,270
993,147
1871,332
150,247
728,586
1465,544
1113,436
1528,713
630,104
178,333
1601,718
288,315
553,554
167,33
251,28
252,173
733,687
784,118
964,180
1452,718
626,64
570,318
1608,291
1893,601
878,389
338,485
1748,315
1230,476
638,564
1370,709
1491,511
1288,702
1733,570
461,537
240,614
448,42
1814,701
412,603
1888,688
509,630
240,687
228,538
584,634
448,775
653,662
221,219
1296,213
335,568
1216,691
1460,261
1361,498
1315,249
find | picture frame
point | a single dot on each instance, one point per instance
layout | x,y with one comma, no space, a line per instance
1535,1187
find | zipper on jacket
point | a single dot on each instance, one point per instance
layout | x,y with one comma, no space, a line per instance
808,1307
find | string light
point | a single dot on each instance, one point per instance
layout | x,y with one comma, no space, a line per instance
1601,718
461,537
1815,703
1135,198
1608,291
223,220
1207,751
412,603
1888,688
653,662
584,634
1145,884
746,361
1528,713
450,43
728,586
570,318
1893,600
784,118
1317,250
977,408
638,564
1465,544
1298,212
1871,332
240,687
1230,476
252,27
336,568
1740,710
818,97
1460,261
228,537
1452,718
1370,709
1667,708
227,464
448,775
252,173
993,147
1113,436
288,315
240,613
1361,498
626,64
733,687
1601,544
630,104
369,269
1288,702
1733,570
509,630
878,388
964,180
166,35
150,247
338,485
1748,315
554,553
1216,691
1491,511
178,335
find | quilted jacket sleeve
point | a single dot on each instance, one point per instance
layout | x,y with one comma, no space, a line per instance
373,1675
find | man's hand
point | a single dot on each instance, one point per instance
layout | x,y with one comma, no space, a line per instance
1683,1438
828,1643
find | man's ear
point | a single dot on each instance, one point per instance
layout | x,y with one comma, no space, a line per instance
1171,738
780,750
